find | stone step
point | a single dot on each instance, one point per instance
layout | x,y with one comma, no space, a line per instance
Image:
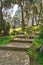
23,36
16,46
23,40
21,33
37,33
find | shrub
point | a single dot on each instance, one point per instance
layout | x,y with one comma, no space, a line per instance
5,39
28,30
14,32
37,42
35,28
41,32
34,53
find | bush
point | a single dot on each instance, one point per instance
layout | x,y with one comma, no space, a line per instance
14,32
35,28
37,42
28,31
41,32
5,39
34,53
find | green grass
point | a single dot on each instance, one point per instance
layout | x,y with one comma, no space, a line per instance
5,39
37,42
39,57
36,55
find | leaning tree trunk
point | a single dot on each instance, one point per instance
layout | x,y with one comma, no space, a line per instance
2,21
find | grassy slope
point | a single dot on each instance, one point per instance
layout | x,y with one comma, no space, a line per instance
36,55
5,39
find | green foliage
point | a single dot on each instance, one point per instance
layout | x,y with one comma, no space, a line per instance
6,1
9,1
14,32
41,32
35,28
36,55
28,30
37,42
5,39
31,1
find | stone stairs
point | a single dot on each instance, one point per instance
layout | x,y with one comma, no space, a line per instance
14,53
19,43
23,36
22,40
16,46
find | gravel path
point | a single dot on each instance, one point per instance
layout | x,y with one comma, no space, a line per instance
10,57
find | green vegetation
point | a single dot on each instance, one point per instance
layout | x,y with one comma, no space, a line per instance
32,13
5,39
34,53
37,56
35,28
41,32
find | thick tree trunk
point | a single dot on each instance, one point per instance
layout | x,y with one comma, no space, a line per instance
22,18
2,21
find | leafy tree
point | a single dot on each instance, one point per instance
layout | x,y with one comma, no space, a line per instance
31,5
2,21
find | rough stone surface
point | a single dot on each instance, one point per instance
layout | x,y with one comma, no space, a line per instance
23,39
8,57
13,57
41,49
18,45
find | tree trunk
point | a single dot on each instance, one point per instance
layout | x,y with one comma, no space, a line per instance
2,21
40,13
33,20
23,25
